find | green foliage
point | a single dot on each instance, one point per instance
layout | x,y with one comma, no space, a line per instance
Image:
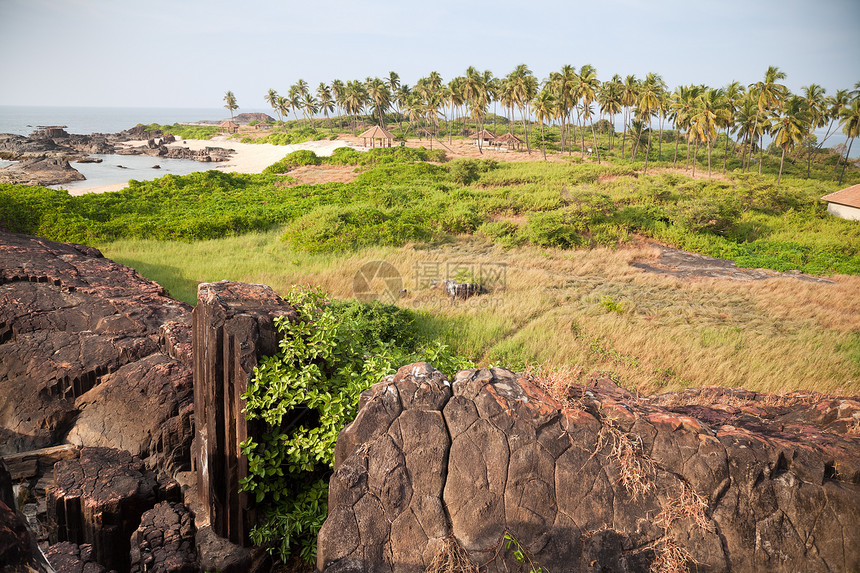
520,553
467,171
289,136
304,396
294,159
611,305
186,131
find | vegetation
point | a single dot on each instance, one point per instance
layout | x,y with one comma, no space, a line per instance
230,103
181,131
306,394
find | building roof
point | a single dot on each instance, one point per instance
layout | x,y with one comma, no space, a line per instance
850,196
228,123
377,132
483,134
509,138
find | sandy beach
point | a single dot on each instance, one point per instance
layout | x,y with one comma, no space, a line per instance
249,157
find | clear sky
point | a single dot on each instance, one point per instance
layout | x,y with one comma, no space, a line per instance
188,53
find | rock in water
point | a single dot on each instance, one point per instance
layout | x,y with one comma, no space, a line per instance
602,481
40,171
91,350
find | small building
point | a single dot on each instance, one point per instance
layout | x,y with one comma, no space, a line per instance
484,137
383,135
844,203
511,140
229,126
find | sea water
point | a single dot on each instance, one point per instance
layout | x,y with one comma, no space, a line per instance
23,120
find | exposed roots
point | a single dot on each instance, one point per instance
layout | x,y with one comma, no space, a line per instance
669,557
452,558
689,505
637,471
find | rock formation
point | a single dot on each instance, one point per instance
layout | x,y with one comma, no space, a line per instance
600,481
99,499
93,353
40,171
164,541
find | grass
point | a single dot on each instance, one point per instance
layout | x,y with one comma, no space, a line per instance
775,335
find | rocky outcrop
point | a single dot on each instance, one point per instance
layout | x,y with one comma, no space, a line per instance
234,327
598,480
91,352
99,499
40,171
68,557
164,541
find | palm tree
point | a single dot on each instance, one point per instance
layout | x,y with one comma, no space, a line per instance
816,105
354,98
309,107
708,116
791,127
851,127
326,102
283,106
295,100
524,90
769,95
629,95
543,107
609,99
378,93
230,103
272,99
402,94
647,105
338,90
453,96
588,86
734,93
475,93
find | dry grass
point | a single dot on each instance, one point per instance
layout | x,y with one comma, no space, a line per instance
776,335
451,558
669,557
636,470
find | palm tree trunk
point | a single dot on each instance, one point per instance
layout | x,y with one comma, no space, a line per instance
760,152
675,159
696,156
543,141
781,159
725,156
525,130
594,139
844,165
648,149
755,128
709,159
687,162
624,133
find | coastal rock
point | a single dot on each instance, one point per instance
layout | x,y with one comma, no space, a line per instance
91,350
596,480
164,541
40,171
99,499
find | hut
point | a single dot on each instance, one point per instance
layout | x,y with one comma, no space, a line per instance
374,133
229,126
844,203
484,137
511,140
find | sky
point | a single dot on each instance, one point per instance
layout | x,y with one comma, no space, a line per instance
188,53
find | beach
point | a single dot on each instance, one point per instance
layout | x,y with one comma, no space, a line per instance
248,157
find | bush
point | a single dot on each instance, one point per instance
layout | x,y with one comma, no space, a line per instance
466,171
294,159
553,229
305,395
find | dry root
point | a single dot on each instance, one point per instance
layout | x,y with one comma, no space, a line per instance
637,471
452,558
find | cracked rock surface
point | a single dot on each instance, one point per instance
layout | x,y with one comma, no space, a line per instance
92,353
164,541
598,480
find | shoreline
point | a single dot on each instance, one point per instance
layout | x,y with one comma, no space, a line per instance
248,157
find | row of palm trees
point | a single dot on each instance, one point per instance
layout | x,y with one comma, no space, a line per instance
569,99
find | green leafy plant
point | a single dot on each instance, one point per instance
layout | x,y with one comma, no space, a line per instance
303,396
520,554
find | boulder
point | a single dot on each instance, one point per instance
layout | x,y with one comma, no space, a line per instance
40,171
164,541
91,351
68,557
489,467
99,499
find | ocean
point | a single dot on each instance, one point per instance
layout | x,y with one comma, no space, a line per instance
23,120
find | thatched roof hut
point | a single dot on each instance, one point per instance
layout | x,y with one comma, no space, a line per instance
510,139
229,126
484,136
383,135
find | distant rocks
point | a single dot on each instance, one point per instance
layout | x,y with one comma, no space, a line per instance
42,170
43,157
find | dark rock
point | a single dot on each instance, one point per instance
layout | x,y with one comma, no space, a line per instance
233,329
6,495
709,479
218,554
72,558
16,543
92,350
40,171
164,541
99,499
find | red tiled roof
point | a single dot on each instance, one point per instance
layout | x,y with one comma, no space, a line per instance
849,196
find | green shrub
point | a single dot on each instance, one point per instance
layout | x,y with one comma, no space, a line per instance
553,229
293,160
305,395
467,171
